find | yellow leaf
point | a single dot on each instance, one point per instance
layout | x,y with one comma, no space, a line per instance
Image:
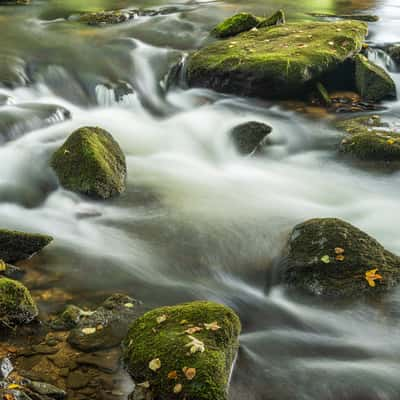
190,373
12,386
3,266
326,259
145,384
192,330
172,375
371,276
340,257
195,345
129,305
339,250
161,319
184,321
178,388
88,331
155,364
213,326
391,141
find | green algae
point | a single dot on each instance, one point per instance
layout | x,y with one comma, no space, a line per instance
160,334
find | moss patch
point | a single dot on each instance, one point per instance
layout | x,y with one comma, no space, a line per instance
238,23
278,18
92,163
160,334
372,81
16,304
276,62
331,257
16,246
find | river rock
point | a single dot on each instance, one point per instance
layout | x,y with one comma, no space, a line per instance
91,162
16,304
250,136
12,71
359,17
17,246
183,351
331,257
373,82
276,62
234,25
45,389
394,52
107,326
369,139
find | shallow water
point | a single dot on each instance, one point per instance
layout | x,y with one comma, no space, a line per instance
198,220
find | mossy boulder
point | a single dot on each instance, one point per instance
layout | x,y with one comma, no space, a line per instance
331,257
373,82
92,163
282,61
184,351
234,25
369,139
16,246
16,304
278,18
250,136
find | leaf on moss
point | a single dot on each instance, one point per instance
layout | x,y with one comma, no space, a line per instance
339,250
193,329
371,276
326,259
155,364
161,319
190,373
129,305
178,388
3,266
144,385
340,257
213,326
172,375
195,345
184,321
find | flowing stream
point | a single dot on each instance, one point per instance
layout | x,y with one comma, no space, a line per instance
198,220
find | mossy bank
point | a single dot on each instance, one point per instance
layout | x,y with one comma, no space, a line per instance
184,351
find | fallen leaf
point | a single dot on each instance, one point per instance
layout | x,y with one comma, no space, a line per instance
8,396
195,345
339,250
371,276
12,386
145,384
155,364
88,331
178,388
391,141
129,305
331,43
190,373
213,326
326,259
99,327
161,319
192,330
172,375
340,257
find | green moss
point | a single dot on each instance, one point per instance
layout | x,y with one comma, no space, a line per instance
16,246
148,339
16,304
316,240
105,17
278,18
92,163
236,24
372,81
276,62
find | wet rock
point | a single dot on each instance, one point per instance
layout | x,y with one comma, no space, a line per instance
77,380
394,52
359,17
45,389
12,72
16,304
373,82
106,327
16,246
234,25
331,257
256,63
104,361
250,136
6,367
185,350
69,318
369,139
92,163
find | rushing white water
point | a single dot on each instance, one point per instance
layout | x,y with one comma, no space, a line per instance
198,219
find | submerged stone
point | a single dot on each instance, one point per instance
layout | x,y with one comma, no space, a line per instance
359,17
234,25
369,139
250,136
91,162
277,62
17,246
16,304
331,257
373,82
183,351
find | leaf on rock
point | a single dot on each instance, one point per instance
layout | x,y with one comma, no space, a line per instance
144,385
88,331
340,257
326,259
195,345
155,364
193,329
190,373
161,319
213,326
3,266
371,276
172,375
178,388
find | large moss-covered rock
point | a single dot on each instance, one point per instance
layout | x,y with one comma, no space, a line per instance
234,25
369,139
331,257
250,136
92,163
184,351
373,82
16,246
16,304
276,62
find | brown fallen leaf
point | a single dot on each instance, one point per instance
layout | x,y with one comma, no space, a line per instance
190,373
172,375
340,257
213,326
192,330
178,388
339,250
